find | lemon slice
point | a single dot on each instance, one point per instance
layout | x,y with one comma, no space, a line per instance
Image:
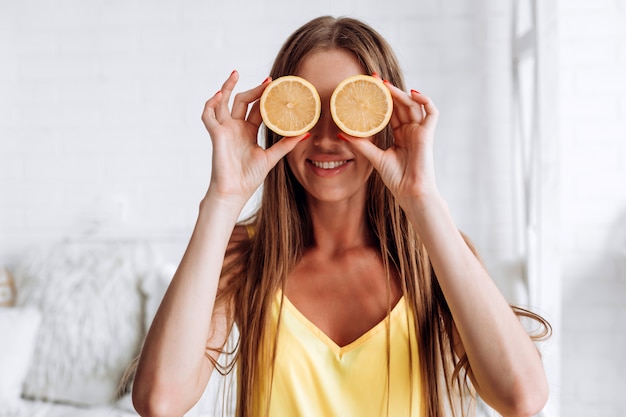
290,106
361,105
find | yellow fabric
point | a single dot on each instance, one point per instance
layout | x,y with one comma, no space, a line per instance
250,230
314,377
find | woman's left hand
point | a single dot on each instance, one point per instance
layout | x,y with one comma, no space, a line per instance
407,167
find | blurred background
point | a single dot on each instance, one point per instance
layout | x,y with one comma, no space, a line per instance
100,137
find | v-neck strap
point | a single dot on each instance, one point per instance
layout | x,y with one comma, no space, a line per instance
340,351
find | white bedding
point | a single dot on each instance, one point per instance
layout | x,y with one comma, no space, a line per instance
211,404
48,409
94,303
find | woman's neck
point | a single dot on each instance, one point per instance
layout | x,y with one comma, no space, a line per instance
339,226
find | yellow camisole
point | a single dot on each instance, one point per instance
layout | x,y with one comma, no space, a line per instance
315,377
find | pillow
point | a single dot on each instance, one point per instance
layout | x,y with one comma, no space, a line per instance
92,318
18,328
154,287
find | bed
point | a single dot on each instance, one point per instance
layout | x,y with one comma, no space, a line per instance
73,315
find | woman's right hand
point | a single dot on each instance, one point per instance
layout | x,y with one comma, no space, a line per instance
239,164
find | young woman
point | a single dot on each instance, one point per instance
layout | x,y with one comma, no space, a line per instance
352,289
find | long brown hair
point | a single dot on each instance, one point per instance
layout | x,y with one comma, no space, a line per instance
258,267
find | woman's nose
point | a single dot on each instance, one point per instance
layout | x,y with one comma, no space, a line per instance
325,129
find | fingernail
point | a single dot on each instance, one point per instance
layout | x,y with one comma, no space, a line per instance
218,92
374,74
342,137
234,71
306,136
415,91
266,80
386,81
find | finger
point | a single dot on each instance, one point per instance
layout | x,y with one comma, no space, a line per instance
400,114
432,113
208,114
221,111
395,120
243,99
407,110
254,116
283,147
368,149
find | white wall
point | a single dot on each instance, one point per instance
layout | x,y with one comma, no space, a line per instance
593,206
100,106
100,129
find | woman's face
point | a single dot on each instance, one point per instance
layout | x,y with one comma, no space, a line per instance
325,165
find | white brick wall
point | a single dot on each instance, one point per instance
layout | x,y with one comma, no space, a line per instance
593,159
101,101
100,108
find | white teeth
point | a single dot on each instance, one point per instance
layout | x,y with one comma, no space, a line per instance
328,164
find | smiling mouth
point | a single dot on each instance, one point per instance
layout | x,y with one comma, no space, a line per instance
329,164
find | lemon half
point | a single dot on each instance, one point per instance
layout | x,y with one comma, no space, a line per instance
290,106
361,105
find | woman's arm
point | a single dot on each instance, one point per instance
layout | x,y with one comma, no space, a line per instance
173,370
505,365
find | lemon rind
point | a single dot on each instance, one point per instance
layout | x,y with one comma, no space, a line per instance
341,124
290,133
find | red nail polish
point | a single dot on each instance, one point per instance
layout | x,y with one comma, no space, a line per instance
342,137
266,80
386,81
234,71
415,91
306,136
374,74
